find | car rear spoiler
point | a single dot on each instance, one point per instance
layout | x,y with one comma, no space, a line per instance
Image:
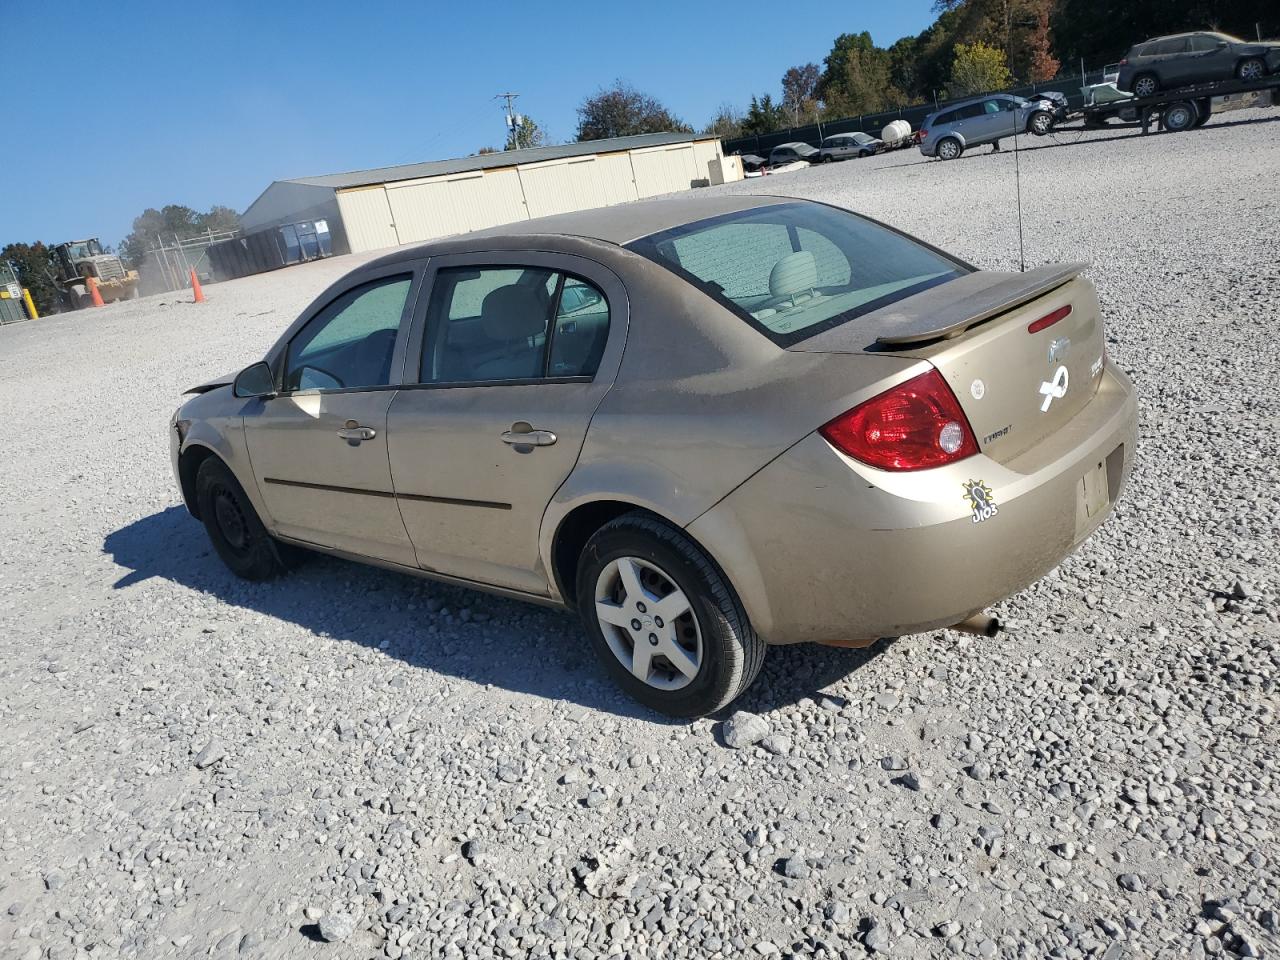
950,309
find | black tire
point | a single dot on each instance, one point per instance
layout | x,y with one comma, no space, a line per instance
1145,85
1180,115
945,147
828,158
1251,69
233,525
1040,123
1205,107
732,653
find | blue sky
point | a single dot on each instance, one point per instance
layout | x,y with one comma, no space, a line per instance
136,105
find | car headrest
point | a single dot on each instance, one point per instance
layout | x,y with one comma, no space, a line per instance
513,313
795,273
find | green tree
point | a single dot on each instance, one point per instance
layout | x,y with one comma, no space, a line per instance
173,220
623,111
977,68
726,124
858,77
525,134
764,116
36,269
800,92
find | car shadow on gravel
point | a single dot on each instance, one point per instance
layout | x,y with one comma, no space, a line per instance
448,629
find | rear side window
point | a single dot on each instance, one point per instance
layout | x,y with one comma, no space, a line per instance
488,324
948,117
1203,42
1167,47
349,343
791,270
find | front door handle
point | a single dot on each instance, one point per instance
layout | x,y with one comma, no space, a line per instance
354,433
532,438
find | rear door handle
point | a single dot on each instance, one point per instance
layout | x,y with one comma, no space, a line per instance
354,433
533,438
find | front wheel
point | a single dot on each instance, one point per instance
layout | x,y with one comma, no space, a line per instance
233,525
949,148
663,619
1040,123
1251,70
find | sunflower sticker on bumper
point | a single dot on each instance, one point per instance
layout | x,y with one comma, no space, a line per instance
980,500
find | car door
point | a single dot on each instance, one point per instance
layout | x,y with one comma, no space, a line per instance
1209,58
1174,63
510,357
318,448
1000,117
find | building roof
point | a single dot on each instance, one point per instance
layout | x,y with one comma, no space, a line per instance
486,161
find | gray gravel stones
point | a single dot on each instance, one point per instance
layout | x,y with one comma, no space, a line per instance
426,773
744,729
336,927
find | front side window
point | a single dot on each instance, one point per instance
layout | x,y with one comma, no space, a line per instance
496,323
1203,42
349,343
792,270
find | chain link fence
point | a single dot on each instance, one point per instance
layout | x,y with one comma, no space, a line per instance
169,263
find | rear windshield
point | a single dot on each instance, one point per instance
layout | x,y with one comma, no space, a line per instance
792,270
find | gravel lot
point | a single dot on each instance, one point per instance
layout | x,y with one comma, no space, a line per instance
350,763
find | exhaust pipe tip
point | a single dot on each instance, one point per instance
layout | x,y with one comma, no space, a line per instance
981,624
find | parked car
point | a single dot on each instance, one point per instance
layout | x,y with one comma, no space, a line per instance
842,146
707,424
791,152
1167,63
949,132
751,161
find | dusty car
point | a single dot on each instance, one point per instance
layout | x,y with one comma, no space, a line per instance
708,425
1166,63
786,153
844,146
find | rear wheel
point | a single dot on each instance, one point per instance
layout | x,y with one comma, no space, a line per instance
664,621
1205,108
233,525
1180,115
949,148
1145,85
1251,70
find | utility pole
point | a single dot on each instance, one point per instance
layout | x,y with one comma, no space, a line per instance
512,124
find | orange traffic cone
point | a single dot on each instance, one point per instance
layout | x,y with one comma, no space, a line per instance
93,291
195,287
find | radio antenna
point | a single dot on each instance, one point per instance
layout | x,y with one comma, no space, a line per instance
1017,180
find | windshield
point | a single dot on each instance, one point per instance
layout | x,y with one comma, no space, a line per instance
792,270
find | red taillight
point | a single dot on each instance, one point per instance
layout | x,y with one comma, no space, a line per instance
923,134
1124,61
914,426
1049,319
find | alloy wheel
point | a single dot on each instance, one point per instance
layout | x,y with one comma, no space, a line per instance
948,150
1251,70
1145,87
648,623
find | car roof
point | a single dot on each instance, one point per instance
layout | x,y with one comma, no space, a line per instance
618,224
965,103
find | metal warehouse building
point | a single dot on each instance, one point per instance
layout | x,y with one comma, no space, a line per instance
370,209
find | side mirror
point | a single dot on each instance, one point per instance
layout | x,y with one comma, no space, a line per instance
255,381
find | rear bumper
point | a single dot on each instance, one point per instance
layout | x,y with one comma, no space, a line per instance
822,548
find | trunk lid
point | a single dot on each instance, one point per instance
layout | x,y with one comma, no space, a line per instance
1016,386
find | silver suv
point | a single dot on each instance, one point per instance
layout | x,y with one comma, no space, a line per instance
948,133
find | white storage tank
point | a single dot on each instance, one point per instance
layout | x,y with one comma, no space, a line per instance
895,131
